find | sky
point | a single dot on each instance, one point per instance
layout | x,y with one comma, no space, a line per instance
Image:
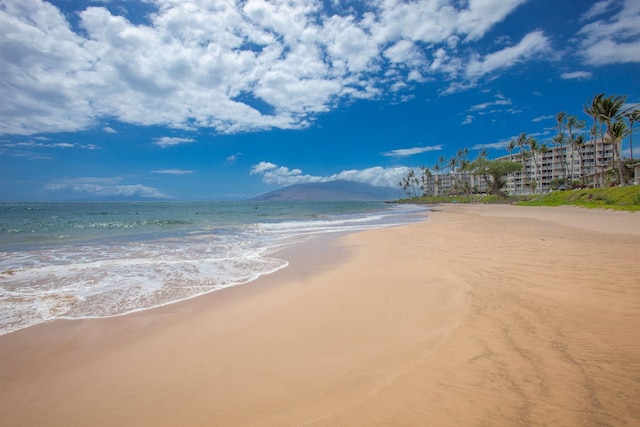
226,100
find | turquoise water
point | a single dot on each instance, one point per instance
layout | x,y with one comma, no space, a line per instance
87,260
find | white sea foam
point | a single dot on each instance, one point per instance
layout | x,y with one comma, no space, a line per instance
111,277
102,281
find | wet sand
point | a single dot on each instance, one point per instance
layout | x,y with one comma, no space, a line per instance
484,315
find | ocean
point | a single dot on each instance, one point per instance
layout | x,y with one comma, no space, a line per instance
103,259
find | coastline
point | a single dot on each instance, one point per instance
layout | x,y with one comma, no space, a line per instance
483,315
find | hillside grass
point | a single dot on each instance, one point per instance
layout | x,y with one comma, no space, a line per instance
475,198
618,198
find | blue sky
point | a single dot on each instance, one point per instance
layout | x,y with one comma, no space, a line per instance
223,99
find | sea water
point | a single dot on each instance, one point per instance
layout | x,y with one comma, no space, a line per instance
91,260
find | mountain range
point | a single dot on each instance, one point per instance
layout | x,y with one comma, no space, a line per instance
332,191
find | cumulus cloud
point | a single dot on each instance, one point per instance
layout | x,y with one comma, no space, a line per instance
612,39
377,175
234,66
282,175
104,187
262,167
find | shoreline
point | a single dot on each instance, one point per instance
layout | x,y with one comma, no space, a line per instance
484,314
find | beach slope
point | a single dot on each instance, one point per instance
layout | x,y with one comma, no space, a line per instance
483,315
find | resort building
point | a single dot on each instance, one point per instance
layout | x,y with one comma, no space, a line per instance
587,164
455,183
543,171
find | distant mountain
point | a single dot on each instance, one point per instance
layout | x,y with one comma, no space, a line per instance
332,191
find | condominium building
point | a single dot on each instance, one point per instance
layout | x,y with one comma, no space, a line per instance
455,183
586,164
539,172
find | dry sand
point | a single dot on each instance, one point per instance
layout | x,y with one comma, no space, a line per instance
482,316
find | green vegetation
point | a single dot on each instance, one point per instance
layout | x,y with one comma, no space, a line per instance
494,173
618,198
580,158
474,198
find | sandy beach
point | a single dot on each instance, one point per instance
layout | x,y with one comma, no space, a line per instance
481,316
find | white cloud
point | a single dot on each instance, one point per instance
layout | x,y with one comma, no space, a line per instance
531,45
481,15
467,120
109,129
404,152
282,175
612,52
486,105
168,141
104,187
37,145
174,171
490,108
233,66
542,118
576,75
597,9
233,158
492,145
262,167
377,175
401,52
615,39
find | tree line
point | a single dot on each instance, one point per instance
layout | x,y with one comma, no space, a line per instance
612,123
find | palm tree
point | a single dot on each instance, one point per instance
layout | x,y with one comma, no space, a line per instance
578,142
427,181
404,184
559,141
536,148
409,181
632,117
436,168
442,162
608,109
522,142
453,164
574,124
466,179
592,109
510,147
413,180
617,133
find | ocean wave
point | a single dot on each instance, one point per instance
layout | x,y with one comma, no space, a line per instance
114,273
